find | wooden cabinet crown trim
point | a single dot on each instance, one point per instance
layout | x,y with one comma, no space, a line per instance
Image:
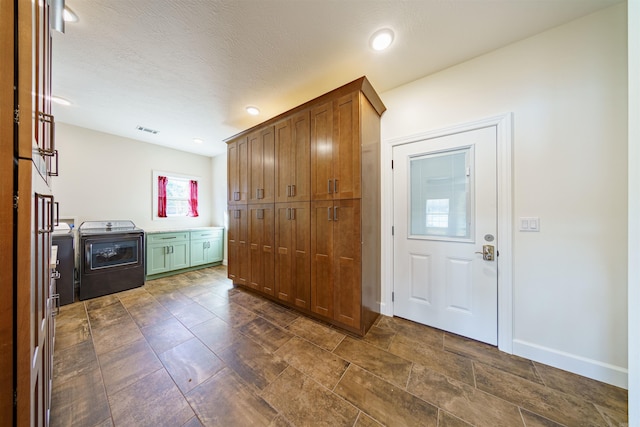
361,84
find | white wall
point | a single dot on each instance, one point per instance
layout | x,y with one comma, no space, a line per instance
106,177
567,89
219,204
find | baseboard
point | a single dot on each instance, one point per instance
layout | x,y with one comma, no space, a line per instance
589,368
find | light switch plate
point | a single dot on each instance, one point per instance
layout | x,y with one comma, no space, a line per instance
529,224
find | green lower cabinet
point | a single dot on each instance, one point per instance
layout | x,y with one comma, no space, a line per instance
206,246
168,253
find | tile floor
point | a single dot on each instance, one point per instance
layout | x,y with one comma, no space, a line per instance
192,350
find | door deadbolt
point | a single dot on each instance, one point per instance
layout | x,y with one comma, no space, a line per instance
487,252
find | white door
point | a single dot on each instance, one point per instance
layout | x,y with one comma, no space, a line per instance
445,211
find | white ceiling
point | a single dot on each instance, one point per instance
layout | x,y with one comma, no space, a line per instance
188,68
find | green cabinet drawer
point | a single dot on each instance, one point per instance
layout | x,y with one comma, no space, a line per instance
167,238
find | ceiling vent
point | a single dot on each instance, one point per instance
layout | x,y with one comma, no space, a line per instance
144,129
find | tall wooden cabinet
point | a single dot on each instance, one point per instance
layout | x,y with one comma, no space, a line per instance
307,234
27,153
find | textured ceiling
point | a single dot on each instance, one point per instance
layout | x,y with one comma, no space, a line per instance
188,68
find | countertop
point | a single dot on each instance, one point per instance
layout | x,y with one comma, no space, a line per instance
176,230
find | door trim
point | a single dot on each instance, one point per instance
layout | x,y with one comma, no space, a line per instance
504,132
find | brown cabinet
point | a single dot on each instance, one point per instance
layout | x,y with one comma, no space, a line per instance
238,235
336,260
335,149
261,166
237,171
322,160
261,248
293,261
293,148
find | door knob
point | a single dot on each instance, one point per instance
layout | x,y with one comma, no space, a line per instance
487,252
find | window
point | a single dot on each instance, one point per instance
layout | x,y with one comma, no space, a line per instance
438,213
174,196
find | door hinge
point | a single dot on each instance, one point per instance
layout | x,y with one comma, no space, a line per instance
16,116
393,296
393,230
391,164
16,198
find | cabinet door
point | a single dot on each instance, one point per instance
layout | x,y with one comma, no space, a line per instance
322,258
346,261
238,258
237,165
198,252
346,147
261,248
180,255
293,156
301,246
261,166
322,152
157,259
293,260
215,250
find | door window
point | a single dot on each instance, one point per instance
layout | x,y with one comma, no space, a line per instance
440,195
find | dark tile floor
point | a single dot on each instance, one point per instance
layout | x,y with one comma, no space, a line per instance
192,350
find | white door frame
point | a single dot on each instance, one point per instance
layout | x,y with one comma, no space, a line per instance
503,123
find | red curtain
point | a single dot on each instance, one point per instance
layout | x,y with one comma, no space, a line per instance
162,196
193,198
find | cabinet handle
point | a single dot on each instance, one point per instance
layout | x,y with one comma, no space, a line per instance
329,186
55,299
288,213
168,238
335,213
293,190
288,191
50,150
329,214
293,213
262,193
53,172
260,214
335,185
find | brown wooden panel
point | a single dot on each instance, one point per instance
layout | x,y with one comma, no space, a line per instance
301,162
322,152
346,260
346,143
261,166
6,216
243,176
284,253
232,172
322,258
284,155
256,166
261,248
301,245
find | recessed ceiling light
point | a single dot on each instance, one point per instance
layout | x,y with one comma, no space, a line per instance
381,39
198,140
254,111
60,101
69,15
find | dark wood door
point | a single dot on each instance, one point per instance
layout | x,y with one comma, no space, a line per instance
261,248
237,164
261,166
346,147
346,261
238,258
293,156
322,186
322,243
293,259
